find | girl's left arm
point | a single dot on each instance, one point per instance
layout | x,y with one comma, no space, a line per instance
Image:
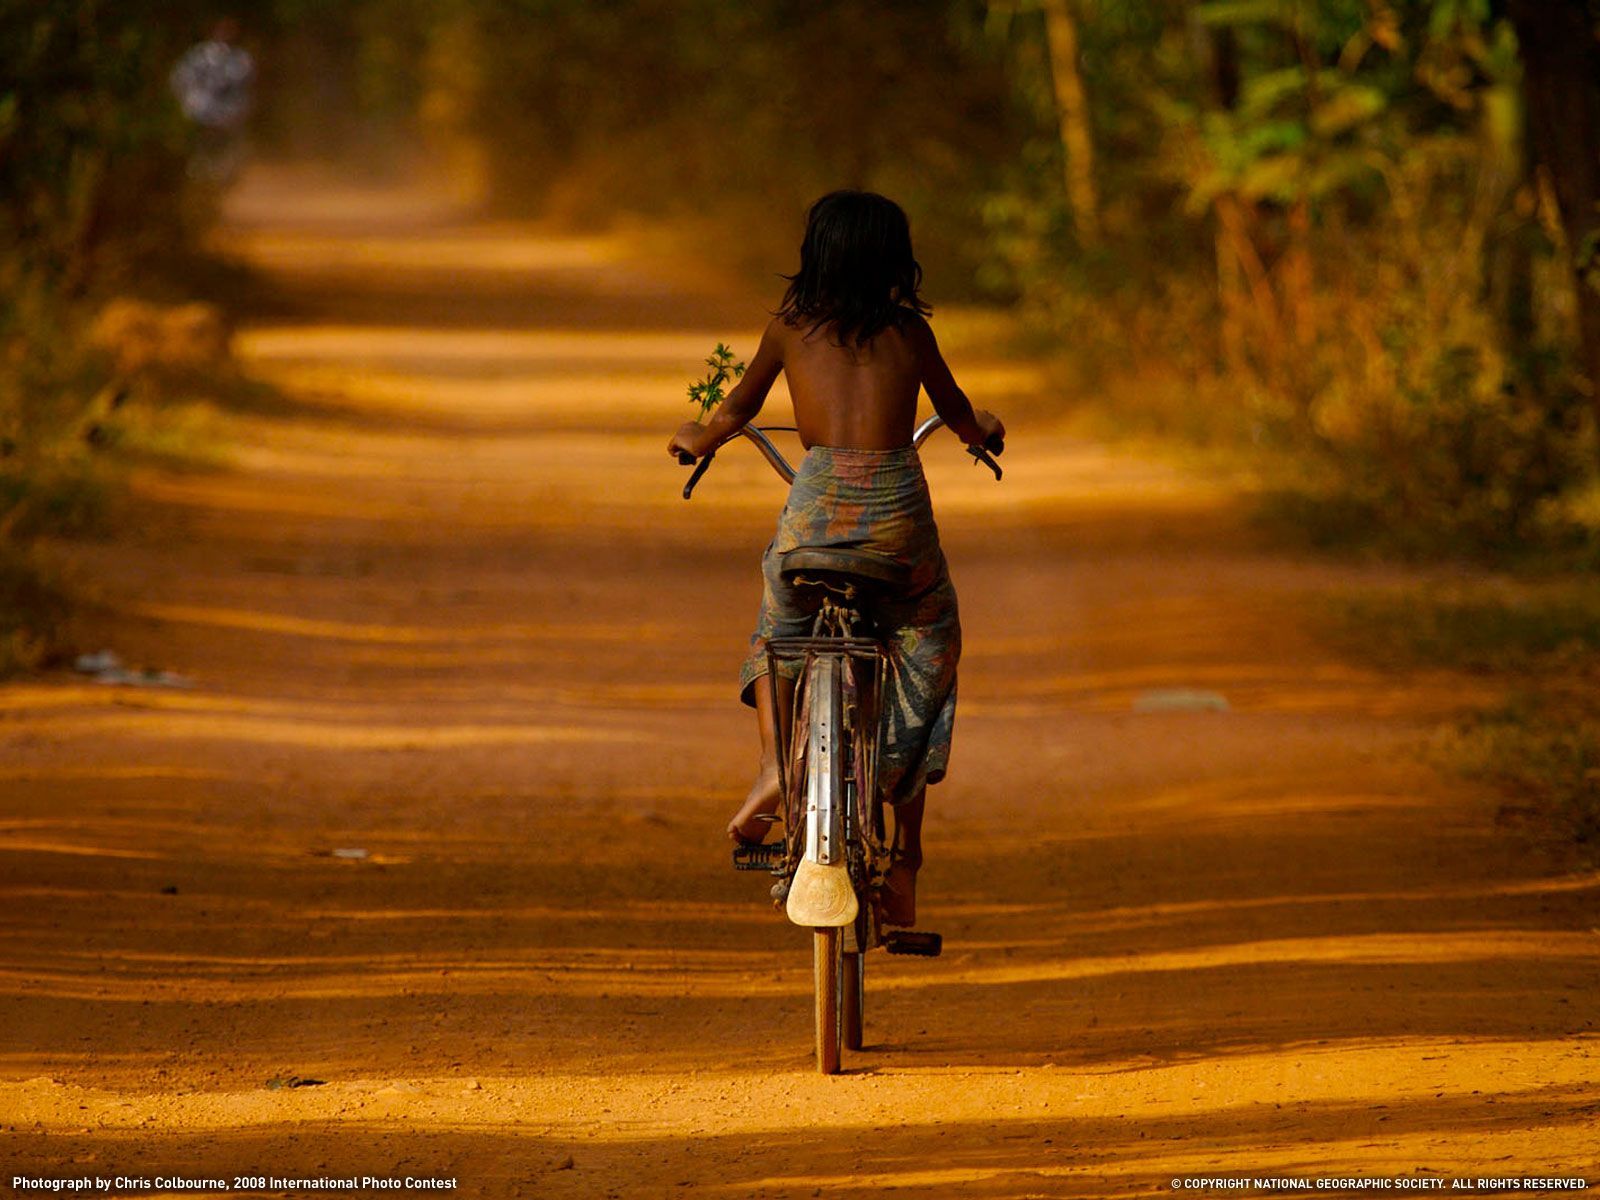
739,406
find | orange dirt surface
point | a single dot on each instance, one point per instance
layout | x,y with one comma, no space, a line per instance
446,606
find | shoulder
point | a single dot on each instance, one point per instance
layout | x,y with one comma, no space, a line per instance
777,334
917,331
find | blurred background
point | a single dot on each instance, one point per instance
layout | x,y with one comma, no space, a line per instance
339,347
1352,240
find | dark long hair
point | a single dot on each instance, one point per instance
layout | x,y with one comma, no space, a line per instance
856,272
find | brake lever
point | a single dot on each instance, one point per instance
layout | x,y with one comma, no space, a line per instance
686,459
982,455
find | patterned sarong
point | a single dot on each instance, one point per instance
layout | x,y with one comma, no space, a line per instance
875,500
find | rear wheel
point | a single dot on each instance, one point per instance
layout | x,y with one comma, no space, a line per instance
826,963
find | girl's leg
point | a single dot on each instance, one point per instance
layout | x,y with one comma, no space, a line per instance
907,846
899,896
763,796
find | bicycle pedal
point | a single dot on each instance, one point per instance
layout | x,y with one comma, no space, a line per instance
908,941
758,858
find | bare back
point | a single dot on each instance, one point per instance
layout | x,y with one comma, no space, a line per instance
856,397
861,398
847,397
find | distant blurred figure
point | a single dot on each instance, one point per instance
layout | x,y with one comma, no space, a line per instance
215,85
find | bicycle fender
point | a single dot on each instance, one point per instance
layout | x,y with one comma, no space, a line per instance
821,897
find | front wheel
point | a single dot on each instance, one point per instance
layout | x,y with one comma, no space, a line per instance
825,964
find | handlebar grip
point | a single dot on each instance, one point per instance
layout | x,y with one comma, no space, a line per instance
688,488
995,445
981,454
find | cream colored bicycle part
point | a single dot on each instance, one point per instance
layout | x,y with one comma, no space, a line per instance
822,895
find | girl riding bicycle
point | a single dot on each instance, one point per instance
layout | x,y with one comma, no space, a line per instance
852,338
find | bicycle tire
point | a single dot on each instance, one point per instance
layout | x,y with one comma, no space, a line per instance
825,968
829,823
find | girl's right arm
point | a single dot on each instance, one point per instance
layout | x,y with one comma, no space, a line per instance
976,427
739,406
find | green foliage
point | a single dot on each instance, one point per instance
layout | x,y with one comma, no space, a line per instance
728,118
91,145
93,153
92,157
1380,316
1542,748
708,392
1527,628
32,607
178,433
1407,413
65,493
1541,743
51,478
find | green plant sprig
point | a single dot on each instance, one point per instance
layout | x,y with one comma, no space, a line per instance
708,392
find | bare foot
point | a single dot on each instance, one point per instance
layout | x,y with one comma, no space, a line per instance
747,825
897,899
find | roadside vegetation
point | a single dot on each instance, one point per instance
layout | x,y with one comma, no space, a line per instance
1539,641
105,358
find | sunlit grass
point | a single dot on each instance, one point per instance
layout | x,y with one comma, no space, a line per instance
1481,626
1536,645
32,605
181,434
60,489
1542,749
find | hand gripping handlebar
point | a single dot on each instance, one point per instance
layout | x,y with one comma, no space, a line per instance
984,454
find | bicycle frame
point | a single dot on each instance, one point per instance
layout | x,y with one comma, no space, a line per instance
840,791
823,887
834,835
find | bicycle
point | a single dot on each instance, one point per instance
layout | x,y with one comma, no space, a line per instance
830,862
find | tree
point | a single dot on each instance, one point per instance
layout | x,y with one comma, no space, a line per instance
1561,84
1072,118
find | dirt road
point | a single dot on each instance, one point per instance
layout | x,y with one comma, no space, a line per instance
447,609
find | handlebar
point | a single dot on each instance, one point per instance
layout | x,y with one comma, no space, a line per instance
758,434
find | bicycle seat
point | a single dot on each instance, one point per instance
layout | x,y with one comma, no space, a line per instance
834,564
